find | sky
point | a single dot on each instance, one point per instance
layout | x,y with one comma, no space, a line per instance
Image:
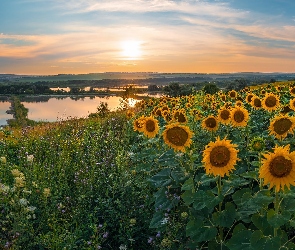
47,37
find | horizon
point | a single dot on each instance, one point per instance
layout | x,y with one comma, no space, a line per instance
169,36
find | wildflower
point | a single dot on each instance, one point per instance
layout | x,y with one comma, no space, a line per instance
20,181
3,159
17,173
123,247
30,158
105,235
158,234
164,221
184,215
150,240
132,222
23,202
46,192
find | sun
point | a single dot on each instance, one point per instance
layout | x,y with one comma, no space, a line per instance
131,50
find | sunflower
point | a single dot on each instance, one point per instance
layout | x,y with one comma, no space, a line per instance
219,157
150,127
249,97
129,114
157,111
233,94
239,103
270,102
138,124
256,102
286,109
179,116
177,136
278,168
257,144
210,123
223,97
282,125
224,115
292,104
292,90
239,117
188,105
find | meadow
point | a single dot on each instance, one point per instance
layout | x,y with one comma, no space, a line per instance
204,171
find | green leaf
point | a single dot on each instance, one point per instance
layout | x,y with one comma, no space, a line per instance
156,220
267,243
178,175
188,185
207,179
276,220
238,196
255,163
200,199
212,200
205,233
225,218
262,198
161,200
250,174
188,197
192,227
262,224
161,179
240,240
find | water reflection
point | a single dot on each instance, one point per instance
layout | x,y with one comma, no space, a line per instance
4,106
68,107
44,108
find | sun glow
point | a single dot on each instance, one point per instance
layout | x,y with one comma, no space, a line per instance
131,50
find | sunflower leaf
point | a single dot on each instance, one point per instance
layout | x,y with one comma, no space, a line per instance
240,240
162,178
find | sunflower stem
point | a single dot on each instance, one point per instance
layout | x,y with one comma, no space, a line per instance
219,187
277,205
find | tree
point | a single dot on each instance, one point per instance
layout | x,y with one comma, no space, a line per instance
210,89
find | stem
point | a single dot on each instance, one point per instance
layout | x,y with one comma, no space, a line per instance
219,187
277,205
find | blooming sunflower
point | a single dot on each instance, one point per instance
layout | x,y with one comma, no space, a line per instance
138,124
223,97
278,168
179,116
177,136
150,127
282,125
219,157
270,102
292,90
210,123
249,97
129,114
233,94
256,102
239,103
224,115
239,116
292,104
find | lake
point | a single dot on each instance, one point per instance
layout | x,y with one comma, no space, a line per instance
46,108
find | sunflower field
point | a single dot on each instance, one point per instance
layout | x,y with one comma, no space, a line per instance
192,172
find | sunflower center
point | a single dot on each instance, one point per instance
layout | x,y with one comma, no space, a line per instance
177,136
210,122
249,98
271,101
224,114
257,102
150,126
280,167
292,90
180,117
282,125
239,116
219,156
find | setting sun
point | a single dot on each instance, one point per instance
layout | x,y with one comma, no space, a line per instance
131,50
